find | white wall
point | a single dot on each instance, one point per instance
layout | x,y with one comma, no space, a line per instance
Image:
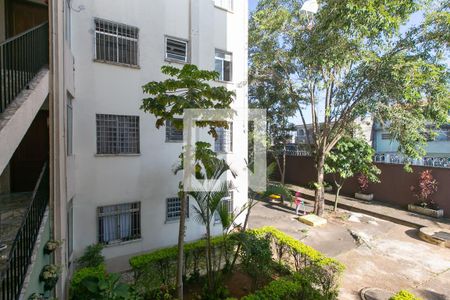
110,89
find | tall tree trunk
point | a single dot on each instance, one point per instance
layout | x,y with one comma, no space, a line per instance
319,193
283,167
181,233
336,198
209,267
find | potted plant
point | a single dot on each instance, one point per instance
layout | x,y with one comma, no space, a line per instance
363,182
425,205
51,246
49,276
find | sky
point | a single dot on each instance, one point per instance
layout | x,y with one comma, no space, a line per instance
416,19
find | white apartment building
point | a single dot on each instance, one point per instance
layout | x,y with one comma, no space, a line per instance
125,192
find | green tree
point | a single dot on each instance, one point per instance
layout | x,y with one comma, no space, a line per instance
349,157
187,88
350,60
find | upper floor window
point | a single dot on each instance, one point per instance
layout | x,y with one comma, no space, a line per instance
116,43
176,50
224,141
119,223
173,134
223,65
117,134
225,4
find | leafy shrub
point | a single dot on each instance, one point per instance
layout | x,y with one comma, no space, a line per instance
427,186
256,257
404,295
92,257
77,289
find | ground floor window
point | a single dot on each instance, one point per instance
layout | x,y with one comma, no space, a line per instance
173,210
228,203
119,223
70,228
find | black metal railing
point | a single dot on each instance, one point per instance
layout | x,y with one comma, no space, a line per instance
21,58
19,258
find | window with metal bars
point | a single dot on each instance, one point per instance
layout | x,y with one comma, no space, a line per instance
173,134
119,223
116,43
223,65
117,134
228,202
176,50
224,141
173,209
69,126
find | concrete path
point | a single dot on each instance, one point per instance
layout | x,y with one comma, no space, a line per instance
377,253
380,210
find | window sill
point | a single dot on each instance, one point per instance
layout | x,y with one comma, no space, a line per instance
116,64
170,60
123,243
119,154
224,9
224,81
174,142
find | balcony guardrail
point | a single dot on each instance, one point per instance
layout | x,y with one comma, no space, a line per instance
19,258
428,161
21,58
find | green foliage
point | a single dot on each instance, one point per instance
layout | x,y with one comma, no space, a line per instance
351,156
92,257
404,295
155,269
77,289
256,257
351,59
188,88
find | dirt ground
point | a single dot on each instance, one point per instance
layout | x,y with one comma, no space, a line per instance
377,253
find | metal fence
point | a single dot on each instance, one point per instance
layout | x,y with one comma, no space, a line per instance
19,257
21,58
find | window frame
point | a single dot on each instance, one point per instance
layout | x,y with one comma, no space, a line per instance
69,125
117,36
168,132
138,215
222,72
228,8
229,199
385,136
230,142
116,143
70,231
176,218
175,60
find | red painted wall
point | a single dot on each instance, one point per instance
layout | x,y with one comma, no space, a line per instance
394,186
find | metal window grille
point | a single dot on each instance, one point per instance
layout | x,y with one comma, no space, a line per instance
117,134
69,125
386,136
174,208
119,223
226,4
117,43
223,65
228,202
176,50
173,134
224,141
70,228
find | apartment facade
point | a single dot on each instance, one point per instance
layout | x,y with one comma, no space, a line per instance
36,81
125,193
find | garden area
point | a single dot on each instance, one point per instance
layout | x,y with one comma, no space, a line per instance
259,263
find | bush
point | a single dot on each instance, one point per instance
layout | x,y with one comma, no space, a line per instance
77,289
92,257
404,295
256,257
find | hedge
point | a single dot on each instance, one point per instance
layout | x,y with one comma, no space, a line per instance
77,290
159,267
404,295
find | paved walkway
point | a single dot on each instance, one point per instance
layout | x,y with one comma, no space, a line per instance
380,210
377,253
